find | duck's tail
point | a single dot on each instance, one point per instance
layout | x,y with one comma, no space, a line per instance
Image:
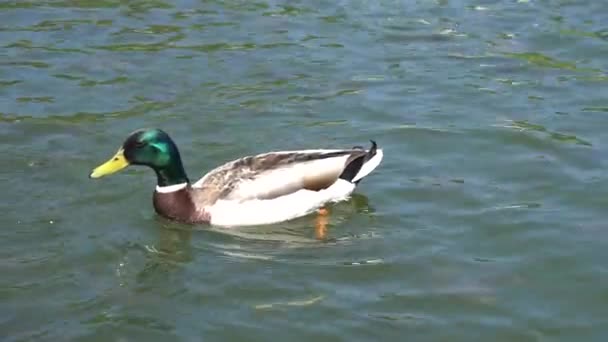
363,165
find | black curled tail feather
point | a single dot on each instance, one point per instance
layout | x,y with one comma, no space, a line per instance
372,151
351,170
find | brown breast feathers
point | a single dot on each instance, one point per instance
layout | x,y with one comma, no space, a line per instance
178,205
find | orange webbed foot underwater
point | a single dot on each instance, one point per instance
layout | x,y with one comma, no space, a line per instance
321,222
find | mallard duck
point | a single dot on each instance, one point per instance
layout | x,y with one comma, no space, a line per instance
253,190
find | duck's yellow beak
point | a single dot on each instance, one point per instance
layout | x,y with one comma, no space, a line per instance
115,164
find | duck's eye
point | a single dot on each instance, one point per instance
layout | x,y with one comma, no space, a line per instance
139,144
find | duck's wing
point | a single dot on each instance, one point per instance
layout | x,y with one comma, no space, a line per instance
275,174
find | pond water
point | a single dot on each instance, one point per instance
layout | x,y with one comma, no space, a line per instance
486,220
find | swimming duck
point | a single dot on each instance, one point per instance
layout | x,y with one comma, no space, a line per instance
253,190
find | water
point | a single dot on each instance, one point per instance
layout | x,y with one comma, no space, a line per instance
486,220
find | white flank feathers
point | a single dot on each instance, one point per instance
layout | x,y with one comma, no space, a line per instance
289,177
258,212
201,181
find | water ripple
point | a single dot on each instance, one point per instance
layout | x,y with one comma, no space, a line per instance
484,221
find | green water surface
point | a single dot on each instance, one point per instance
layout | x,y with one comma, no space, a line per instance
485,222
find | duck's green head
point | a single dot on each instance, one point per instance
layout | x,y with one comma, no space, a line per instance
149,147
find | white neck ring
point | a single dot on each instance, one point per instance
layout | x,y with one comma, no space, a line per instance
170,188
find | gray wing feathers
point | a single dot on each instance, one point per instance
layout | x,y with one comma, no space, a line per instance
275,174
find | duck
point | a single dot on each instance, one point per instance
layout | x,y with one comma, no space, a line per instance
260,189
